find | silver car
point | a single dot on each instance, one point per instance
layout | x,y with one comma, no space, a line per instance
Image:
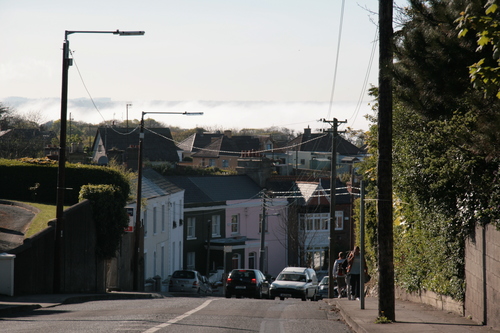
189,281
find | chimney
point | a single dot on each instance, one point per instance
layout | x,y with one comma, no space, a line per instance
307,132
229,134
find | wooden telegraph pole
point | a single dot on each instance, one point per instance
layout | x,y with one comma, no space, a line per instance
386,305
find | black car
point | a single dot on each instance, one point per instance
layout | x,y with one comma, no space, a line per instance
247,282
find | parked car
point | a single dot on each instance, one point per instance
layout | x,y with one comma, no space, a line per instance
247,282
189,281
323,288
295,282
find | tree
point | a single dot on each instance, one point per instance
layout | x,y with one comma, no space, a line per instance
445,174
484,25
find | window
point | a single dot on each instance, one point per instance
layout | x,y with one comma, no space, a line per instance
339,220
190,260
174,212
211,162
191,224
154,221
215,225
235,224
225,163
251,260
154,263
162,263
163,218
145,222
236,261
317,222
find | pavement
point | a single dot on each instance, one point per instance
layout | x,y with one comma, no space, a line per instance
410,317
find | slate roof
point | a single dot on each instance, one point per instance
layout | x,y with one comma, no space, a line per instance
198,140
207,189
321,142
155,185
158,144
216,144
26,134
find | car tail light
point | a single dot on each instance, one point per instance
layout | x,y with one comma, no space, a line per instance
254,281
229,280
195,284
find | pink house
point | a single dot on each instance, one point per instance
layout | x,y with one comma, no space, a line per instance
243,222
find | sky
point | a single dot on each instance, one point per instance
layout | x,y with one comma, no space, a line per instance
244,64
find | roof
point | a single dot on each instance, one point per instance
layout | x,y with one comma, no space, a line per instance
322,142
308,189
211,145
198,140
26,134
155,185
206,189
158,143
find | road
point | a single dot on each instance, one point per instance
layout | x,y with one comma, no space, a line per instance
181,314
14,220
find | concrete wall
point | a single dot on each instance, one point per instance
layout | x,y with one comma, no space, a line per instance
482,275
440,302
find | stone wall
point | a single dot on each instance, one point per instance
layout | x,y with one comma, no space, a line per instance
482,275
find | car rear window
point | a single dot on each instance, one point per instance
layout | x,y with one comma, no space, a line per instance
183,275
242,274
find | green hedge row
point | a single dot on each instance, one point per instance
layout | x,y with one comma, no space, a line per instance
38,182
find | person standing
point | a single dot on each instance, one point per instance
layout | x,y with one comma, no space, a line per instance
355,268
339,274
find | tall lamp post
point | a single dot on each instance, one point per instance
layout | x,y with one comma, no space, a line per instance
138,230
67,61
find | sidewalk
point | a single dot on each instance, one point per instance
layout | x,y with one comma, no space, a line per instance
10,305
410,317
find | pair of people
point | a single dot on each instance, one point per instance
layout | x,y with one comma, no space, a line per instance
355,267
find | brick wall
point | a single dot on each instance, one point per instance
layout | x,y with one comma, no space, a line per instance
482,275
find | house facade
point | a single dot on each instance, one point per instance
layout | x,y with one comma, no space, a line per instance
308,224
162,217
222,219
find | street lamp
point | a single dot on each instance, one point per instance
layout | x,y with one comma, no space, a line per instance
67,61
139,231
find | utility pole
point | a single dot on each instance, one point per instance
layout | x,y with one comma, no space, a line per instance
263,234
333,183
385,237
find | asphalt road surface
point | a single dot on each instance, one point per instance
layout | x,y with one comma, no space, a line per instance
182,315
14,220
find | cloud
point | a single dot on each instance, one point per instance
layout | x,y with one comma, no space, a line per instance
216,114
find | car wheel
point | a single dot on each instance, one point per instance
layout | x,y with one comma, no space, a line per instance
282,298
304,298
228,295
258,294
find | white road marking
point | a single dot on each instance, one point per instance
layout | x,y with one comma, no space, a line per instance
178,318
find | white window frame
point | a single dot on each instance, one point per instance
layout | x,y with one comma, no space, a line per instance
190,260
215,225
191,228
235,224
154,220
339,220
